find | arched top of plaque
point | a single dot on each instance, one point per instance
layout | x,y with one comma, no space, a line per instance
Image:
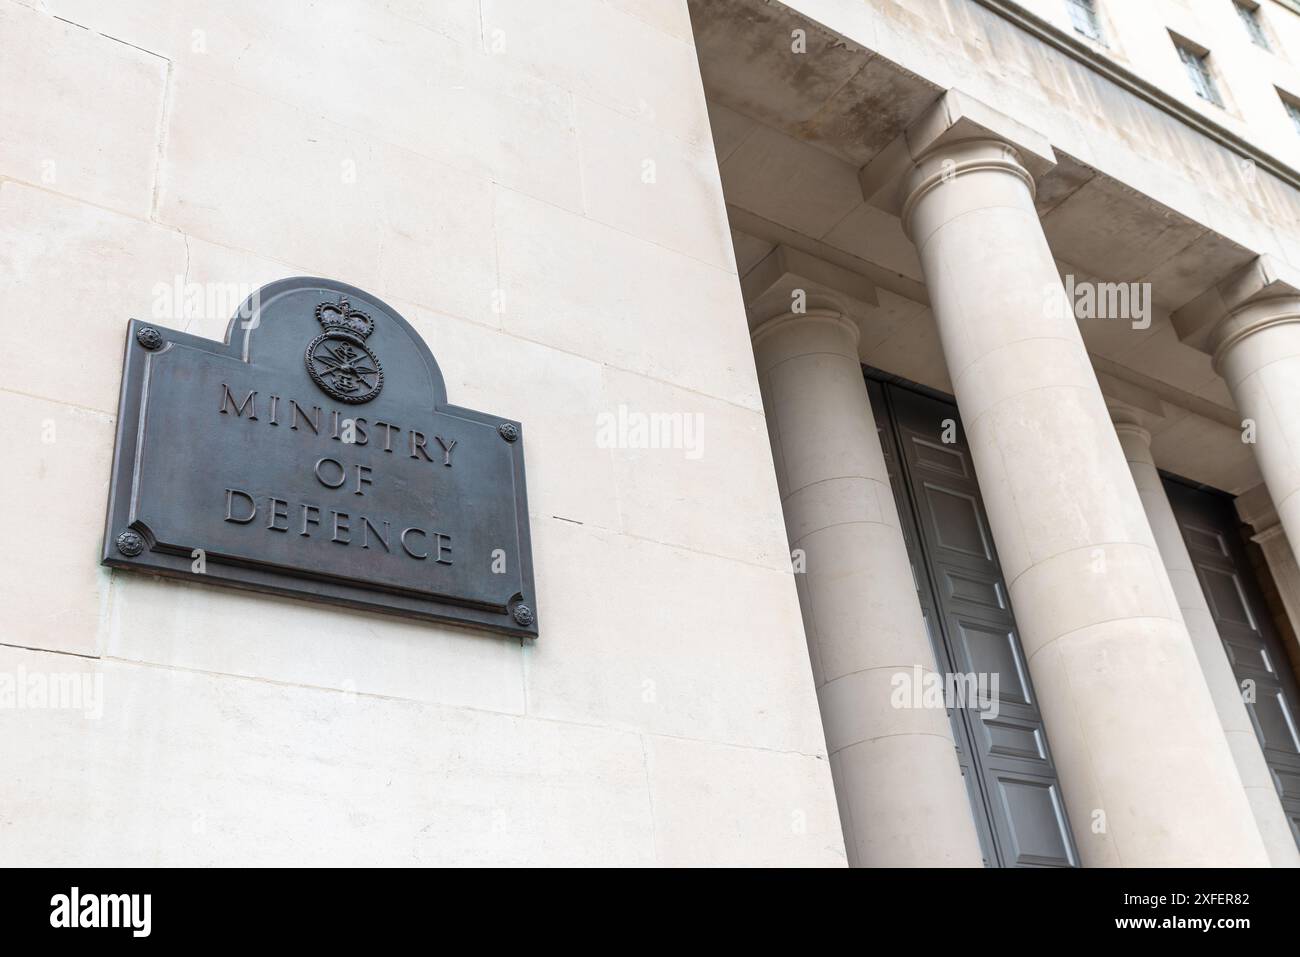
350,345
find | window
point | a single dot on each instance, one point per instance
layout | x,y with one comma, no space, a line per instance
1084,15
1198,71
1292,107
1250,16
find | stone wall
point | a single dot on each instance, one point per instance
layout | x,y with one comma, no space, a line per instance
533,186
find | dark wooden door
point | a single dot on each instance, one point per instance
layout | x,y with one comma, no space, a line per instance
1015,795
1212,532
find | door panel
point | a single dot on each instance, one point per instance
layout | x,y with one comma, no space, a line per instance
1038,831
991,648
1211,532
955,518
1015,796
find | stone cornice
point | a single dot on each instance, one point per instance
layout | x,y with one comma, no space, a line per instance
1128,80
786,270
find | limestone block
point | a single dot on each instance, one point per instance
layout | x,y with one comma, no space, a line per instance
673,449
54,591
635,68
720,806
592,290
188,626
81,113
668,641
198,769
645,182
287,185
78,274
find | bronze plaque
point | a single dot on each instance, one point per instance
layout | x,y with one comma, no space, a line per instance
313,454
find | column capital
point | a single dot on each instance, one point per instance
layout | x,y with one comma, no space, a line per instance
1134,437
1129,423
946,162
1264,293
812,316
1253,317
945,132
792,334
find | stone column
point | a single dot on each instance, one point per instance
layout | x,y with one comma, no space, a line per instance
1145,769
1250,325
903,802
1242,740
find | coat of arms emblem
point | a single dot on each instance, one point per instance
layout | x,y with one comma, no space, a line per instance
338,359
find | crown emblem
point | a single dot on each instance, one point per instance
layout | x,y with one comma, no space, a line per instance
341,317
338,360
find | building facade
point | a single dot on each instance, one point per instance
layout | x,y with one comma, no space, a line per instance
910,403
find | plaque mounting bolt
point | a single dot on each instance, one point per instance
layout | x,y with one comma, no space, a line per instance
130,544
510,433
149,337
524,615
